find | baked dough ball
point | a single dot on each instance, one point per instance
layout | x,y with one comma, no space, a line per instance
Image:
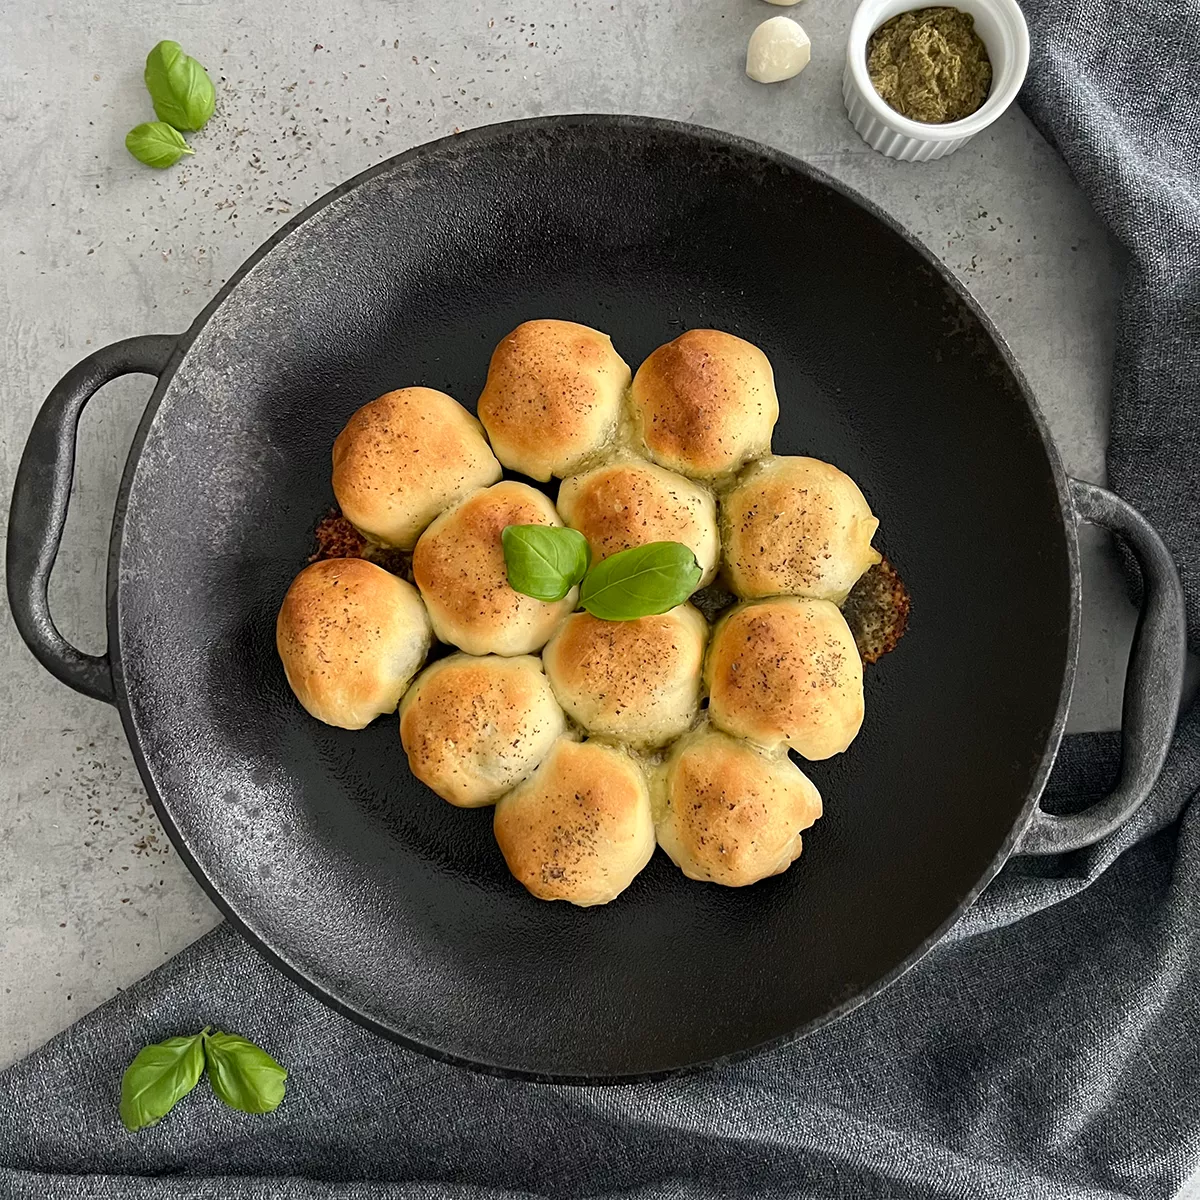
351,635
730,813
406,457
633,503
635,681
705,404
473,728
581,828
553,396
459,566
796,526
786,671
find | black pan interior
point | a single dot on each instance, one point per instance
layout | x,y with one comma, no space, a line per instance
319,842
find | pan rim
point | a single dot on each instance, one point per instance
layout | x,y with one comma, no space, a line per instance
469,139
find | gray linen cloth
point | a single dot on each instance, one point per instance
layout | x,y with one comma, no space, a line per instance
1047,1048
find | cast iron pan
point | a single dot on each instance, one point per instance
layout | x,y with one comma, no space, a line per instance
397,908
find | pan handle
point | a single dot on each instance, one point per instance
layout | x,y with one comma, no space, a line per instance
41,495
1153,682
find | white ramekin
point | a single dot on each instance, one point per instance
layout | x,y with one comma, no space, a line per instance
1001,26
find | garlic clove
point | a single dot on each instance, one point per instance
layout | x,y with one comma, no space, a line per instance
779,49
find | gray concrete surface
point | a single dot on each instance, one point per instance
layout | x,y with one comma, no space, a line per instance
96,247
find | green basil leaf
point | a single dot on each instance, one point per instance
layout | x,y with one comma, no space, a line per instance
179,86
544,561
156,144
243,1075
159,1076
640,582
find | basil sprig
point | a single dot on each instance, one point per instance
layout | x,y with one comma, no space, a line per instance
156,144
179,87
183,98
640,582
242,1074
544,561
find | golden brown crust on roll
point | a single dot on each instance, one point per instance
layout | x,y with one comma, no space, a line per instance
459,566
351,636
730,813
630,504
473,728
553,397
796,526
705,404
635,681
406,457
786,671
580,829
